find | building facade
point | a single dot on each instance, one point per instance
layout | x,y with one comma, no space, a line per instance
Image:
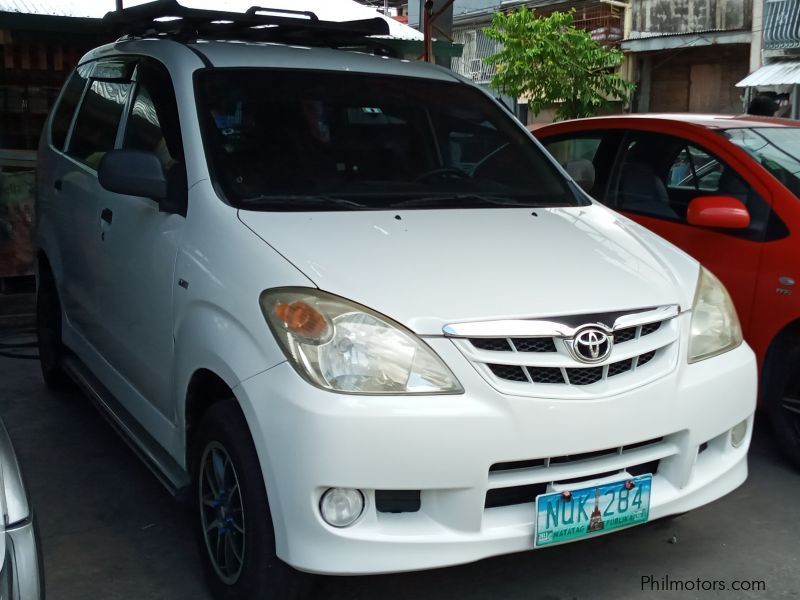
37,52
688,55
775,68
684,55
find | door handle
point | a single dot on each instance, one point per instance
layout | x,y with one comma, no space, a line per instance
107,215
58,184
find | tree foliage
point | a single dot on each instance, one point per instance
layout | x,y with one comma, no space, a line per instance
549,61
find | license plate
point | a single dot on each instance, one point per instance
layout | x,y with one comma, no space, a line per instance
567,516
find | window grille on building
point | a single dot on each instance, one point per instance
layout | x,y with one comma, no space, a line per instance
781,24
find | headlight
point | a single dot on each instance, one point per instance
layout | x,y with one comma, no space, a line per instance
338,345
715,327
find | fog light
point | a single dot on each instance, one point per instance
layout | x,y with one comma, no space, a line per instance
341,507
738,433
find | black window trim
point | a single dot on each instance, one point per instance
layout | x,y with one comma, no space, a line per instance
127,110
690,158
74,116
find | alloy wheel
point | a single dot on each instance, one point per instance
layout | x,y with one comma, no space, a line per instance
222,513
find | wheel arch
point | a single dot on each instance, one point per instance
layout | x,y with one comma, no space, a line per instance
774,358
205,389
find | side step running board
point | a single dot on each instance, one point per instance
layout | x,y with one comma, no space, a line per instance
163,466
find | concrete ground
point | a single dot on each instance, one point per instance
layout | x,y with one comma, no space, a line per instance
110,532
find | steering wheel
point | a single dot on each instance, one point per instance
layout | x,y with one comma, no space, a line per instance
443,172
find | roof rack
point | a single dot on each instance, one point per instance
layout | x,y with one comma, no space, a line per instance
167,18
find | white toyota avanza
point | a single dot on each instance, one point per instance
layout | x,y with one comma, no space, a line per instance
349,307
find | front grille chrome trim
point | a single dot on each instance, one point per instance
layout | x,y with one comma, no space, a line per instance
563,327
623,351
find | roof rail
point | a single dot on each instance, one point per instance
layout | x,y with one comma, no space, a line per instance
168,18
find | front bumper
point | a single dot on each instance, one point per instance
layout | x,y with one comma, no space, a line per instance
21,576
309,440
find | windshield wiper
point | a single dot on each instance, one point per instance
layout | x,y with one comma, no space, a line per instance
468,199
290,202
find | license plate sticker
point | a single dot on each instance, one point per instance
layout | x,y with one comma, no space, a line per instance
563,517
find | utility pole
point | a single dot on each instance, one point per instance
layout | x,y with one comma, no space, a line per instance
433,12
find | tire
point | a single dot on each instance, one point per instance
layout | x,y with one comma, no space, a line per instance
238,554
782,397
48,332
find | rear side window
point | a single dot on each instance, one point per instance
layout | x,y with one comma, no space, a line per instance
98,120
588,156
70,97
577,148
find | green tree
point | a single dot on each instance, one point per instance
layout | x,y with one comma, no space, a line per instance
549,62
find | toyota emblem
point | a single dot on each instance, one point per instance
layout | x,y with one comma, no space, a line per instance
591,345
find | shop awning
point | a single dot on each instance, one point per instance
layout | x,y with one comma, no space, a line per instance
780,73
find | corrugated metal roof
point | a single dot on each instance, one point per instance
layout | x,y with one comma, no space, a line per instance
331,10
779,73
58,8
646,35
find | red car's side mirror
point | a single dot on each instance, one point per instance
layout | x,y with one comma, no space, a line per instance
724,212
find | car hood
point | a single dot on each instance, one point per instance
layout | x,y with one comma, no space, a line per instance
429,268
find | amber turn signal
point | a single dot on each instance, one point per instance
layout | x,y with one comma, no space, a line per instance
302,320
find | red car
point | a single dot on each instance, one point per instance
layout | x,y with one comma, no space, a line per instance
727,191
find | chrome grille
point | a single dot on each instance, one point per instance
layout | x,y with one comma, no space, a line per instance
523,356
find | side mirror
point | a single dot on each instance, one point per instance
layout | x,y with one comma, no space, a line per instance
724,212
134,173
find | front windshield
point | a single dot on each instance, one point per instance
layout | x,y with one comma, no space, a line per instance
775,148
311,140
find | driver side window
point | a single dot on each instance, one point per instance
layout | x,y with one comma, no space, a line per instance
153,125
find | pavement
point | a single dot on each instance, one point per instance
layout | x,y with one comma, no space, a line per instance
109,530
